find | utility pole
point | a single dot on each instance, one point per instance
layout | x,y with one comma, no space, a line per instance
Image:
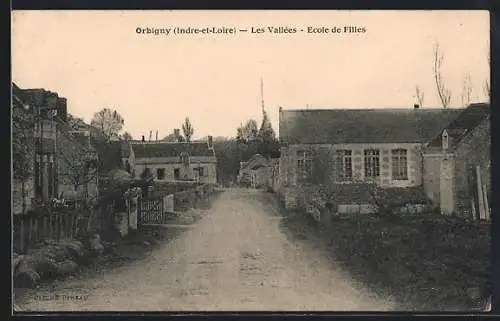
262,93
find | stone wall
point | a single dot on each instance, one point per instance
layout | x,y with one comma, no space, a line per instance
473,150
325,159
432,176
414,162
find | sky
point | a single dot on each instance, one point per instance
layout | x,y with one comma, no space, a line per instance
96,59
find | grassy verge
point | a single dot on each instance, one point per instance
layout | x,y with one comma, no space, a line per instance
426,263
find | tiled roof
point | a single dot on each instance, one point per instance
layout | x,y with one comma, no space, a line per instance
469,119
336,126
255,162
170,149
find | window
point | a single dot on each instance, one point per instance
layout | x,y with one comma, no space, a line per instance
200,171
344,165
160,173
445,140
399,164
146,174
304,165
372,163
177,173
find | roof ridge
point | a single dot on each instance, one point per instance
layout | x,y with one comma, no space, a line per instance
374,109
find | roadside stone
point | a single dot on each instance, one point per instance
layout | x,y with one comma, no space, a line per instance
27,275
74,248
95,245
66,267
16,259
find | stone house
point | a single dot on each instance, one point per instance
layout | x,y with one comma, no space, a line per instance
349,149
454,157
42,108
254,172
57,150
171,161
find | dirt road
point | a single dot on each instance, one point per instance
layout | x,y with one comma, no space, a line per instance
234,259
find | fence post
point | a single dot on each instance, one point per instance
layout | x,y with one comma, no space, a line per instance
51,230
72,225
30,227
45,232
22,234
35,229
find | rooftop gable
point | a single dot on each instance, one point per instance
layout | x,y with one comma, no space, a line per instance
463,124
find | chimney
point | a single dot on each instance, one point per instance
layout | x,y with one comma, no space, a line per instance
157,135
150,134
416,106
210,142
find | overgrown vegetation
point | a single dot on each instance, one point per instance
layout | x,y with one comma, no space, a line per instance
425,262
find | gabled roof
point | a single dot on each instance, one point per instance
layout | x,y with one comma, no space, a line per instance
18,97
170,149
468,119
255,162
339,126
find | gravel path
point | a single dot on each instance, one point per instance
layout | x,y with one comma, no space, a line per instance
236,258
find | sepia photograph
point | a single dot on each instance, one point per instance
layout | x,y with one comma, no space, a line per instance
217,160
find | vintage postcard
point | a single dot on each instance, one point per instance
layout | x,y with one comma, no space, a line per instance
251,161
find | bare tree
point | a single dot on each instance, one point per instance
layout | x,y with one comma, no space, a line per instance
443,92
419,95
188,129
108,122
467,90
486,85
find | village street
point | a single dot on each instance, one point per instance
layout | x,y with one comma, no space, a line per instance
235,258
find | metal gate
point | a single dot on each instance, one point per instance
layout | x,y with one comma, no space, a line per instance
151,211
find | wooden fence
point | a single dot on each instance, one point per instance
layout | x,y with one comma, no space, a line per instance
58,224
31,229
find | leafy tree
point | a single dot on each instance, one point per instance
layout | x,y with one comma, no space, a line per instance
188,129
77,160
175,136
108,122
249,131
127,136
266,131
23,147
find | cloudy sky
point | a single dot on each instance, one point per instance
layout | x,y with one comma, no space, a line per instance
96,59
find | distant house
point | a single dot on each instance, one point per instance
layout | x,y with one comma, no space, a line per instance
346,148
170,161
454,157
255,172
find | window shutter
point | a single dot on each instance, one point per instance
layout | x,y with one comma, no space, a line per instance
320,166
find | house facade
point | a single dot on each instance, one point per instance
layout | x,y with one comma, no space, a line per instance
457,163
171,161
56,152
343,148
255,172
39,109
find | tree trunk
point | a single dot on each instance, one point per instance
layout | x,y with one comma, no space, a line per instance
23,191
